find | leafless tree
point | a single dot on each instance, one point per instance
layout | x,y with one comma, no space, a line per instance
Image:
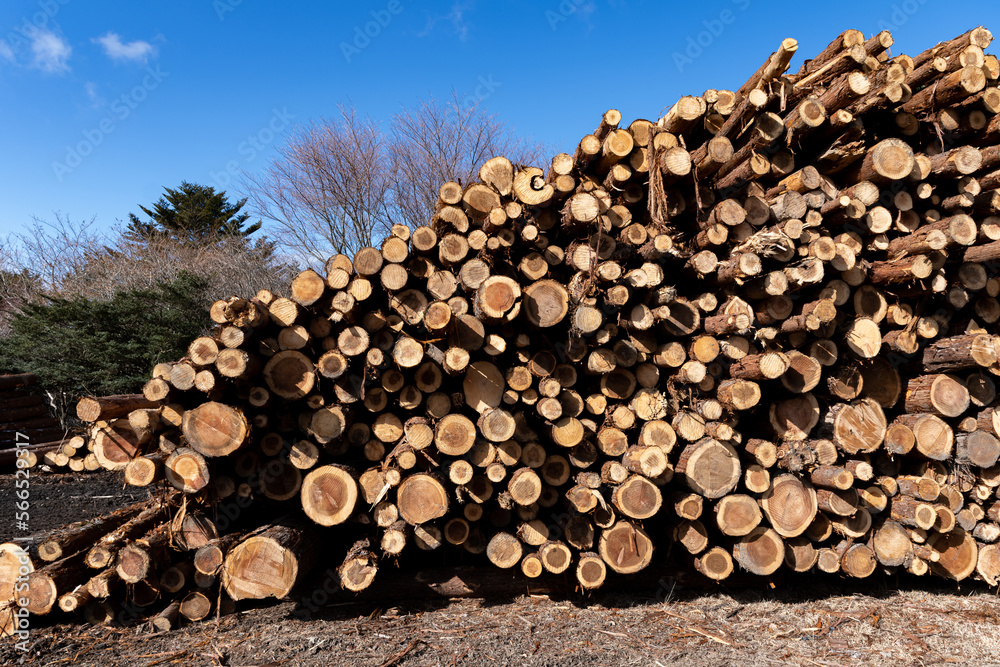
327,189
74,259
339,184
437,142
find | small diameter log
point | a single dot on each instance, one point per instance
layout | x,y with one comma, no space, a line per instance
738,395
270,562
102,554
590,570
766,366
359,567
77,536
186,470
912,512
106,408
144,470
135,560
716,564
195,606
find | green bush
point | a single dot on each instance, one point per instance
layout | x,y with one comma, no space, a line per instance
99,347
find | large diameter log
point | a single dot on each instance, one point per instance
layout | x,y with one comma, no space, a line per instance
979,448
892,544
115,445
454,435
932,436
794,419
14,562
888,160
107,408
940,394
329,495
484,386
958,554
637,498
857,427
215,429
710,468
45,584
737,514
270,562
186,470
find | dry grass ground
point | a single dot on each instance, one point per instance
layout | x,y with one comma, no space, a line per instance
825,621
820,624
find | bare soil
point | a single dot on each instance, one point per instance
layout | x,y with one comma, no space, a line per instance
663,621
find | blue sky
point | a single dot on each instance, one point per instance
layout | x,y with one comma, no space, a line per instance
105,103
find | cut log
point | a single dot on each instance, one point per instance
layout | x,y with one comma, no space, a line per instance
625,548
790,505
329,495
710,468
106,408
940,394
270,562
760,552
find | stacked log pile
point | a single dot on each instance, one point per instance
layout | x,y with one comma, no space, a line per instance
757,333
24,416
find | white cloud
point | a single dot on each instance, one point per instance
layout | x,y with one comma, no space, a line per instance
93,95
457,18
50,51
116,49
5,51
